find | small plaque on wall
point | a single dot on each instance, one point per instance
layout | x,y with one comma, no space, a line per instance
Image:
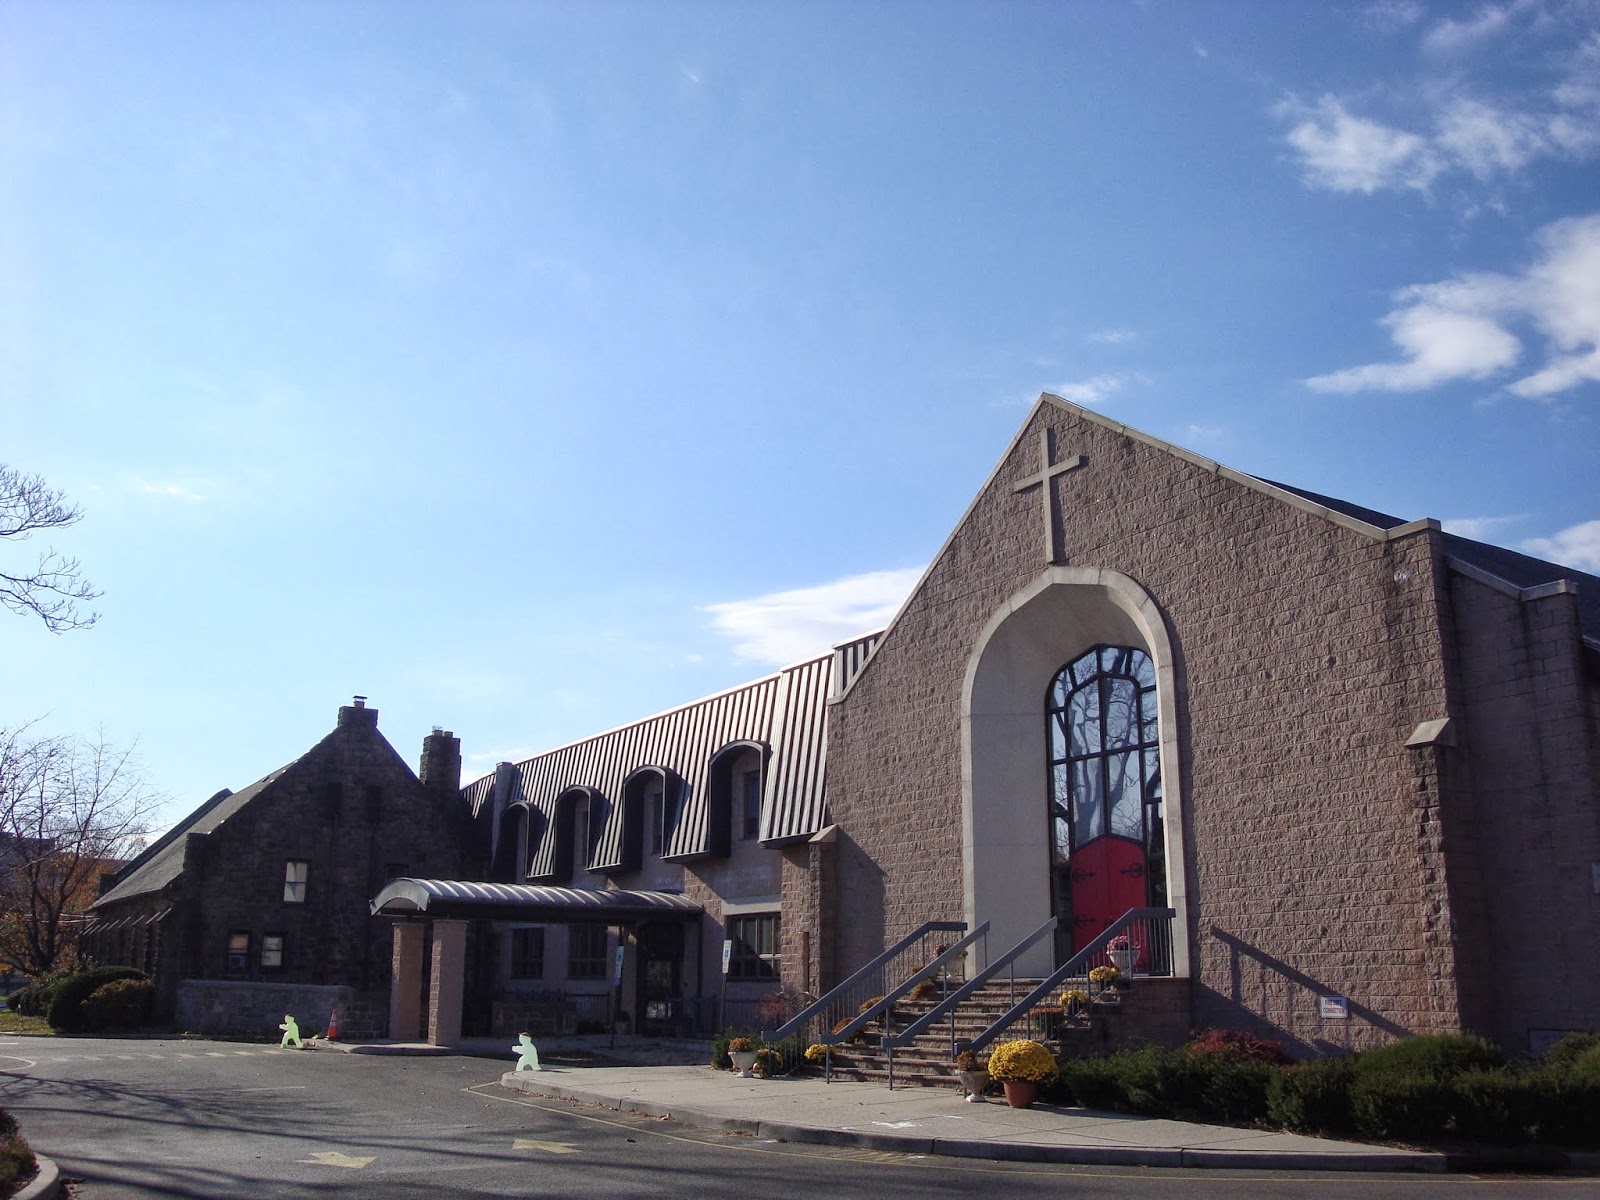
1333,1008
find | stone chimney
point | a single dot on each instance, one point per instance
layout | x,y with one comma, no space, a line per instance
441,762
357,713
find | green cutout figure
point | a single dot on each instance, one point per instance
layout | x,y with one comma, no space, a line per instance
291,1032
527,1054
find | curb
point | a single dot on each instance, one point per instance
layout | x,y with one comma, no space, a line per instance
1106,1156
46,1184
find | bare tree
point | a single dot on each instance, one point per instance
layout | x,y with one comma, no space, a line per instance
56,586
70,810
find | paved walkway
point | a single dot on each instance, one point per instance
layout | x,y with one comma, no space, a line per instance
671,1079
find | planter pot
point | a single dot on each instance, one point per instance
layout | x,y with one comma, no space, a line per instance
743,1060
1123,960
1020,1093
973,1083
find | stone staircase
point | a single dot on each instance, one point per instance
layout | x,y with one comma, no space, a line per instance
926,1062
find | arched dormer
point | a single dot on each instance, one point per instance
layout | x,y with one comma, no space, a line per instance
573,826
736,778
509,862
652,809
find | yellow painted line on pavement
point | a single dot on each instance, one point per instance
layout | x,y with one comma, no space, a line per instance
1186,1179
332,1158
547,1147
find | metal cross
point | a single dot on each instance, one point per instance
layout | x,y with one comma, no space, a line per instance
1047,472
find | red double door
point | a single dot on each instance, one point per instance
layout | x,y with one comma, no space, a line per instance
1107,879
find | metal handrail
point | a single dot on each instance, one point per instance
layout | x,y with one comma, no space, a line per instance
800,1019
927,971
1073,967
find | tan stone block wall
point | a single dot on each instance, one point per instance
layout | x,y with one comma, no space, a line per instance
1306,653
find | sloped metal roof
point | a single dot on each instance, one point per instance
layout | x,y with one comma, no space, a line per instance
445,898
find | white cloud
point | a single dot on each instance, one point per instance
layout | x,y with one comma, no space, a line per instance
1450,36
1113,337
1390,15
1458,329
170,491
1575,546
1481,529
1095,390
1195,433
1351,154
786,627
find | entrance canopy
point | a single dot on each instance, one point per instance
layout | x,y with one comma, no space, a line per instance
444,899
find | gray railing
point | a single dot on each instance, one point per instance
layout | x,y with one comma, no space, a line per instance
1137,943
870,993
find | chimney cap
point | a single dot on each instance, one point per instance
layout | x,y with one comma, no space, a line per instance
360,701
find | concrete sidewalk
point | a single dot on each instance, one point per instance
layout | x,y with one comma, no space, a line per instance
925,1120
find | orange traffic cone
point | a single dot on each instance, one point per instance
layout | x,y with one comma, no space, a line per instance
333,1025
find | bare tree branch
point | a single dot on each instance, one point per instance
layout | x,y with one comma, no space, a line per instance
54,588
70,809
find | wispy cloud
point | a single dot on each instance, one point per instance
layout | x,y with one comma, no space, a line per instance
1457,329
1095,390
1388,16
1481,529
1195,433
1575,546
1450,125
1113,337
785,627
169,491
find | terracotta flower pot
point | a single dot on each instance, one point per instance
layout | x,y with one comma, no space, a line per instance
1021,1093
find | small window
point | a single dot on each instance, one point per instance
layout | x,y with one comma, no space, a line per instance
238,951
272,950
586,952
295,873
656,814
755,947
750,805
527,953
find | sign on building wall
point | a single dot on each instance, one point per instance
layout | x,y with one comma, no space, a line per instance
727,955
1333,1008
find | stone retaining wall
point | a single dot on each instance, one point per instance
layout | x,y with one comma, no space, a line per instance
225,1006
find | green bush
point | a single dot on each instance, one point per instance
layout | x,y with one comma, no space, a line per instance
1567,1051
66,1010
1440,1056
120,1004
1395,1106
1313,1097
1161,1082
34,999
1566,1106
16,1163
1089,1082
1234,1090
1499,1106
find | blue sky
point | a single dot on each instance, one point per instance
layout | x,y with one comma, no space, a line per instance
529,368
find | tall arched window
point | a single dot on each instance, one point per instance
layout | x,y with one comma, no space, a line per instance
1106,838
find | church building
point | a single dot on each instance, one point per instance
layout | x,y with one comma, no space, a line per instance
1356,756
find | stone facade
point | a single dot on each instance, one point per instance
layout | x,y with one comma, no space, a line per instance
271,887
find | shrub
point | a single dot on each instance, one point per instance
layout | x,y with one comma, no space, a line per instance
1440,1056
1162,1082
120,1004
1496,1106
16,1162
66,1010
1090,1082
1234,1089
1396,1106
1569,1049
1566,1106
34,999
1313,1097
1234,1045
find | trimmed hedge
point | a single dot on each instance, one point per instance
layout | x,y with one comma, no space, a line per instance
120,1004
1313,1097
1440,1056
17,1163
66,1010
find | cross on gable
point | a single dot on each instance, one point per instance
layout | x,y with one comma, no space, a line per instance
1047,472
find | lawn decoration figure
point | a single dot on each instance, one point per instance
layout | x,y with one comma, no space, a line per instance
291,1032
527,1054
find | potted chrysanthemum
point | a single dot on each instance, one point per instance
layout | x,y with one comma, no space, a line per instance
743,1053
974,1075
1021,1066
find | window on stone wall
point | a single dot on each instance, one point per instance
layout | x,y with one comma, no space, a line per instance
750,804
755,946
238,951
527,954
272,950
295,873
586,952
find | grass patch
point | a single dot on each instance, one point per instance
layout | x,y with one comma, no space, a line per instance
11,1022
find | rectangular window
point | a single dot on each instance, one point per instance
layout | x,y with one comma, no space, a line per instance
238,951
656,815
272,950
750,807
527,954
586,952
755,947
295,873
